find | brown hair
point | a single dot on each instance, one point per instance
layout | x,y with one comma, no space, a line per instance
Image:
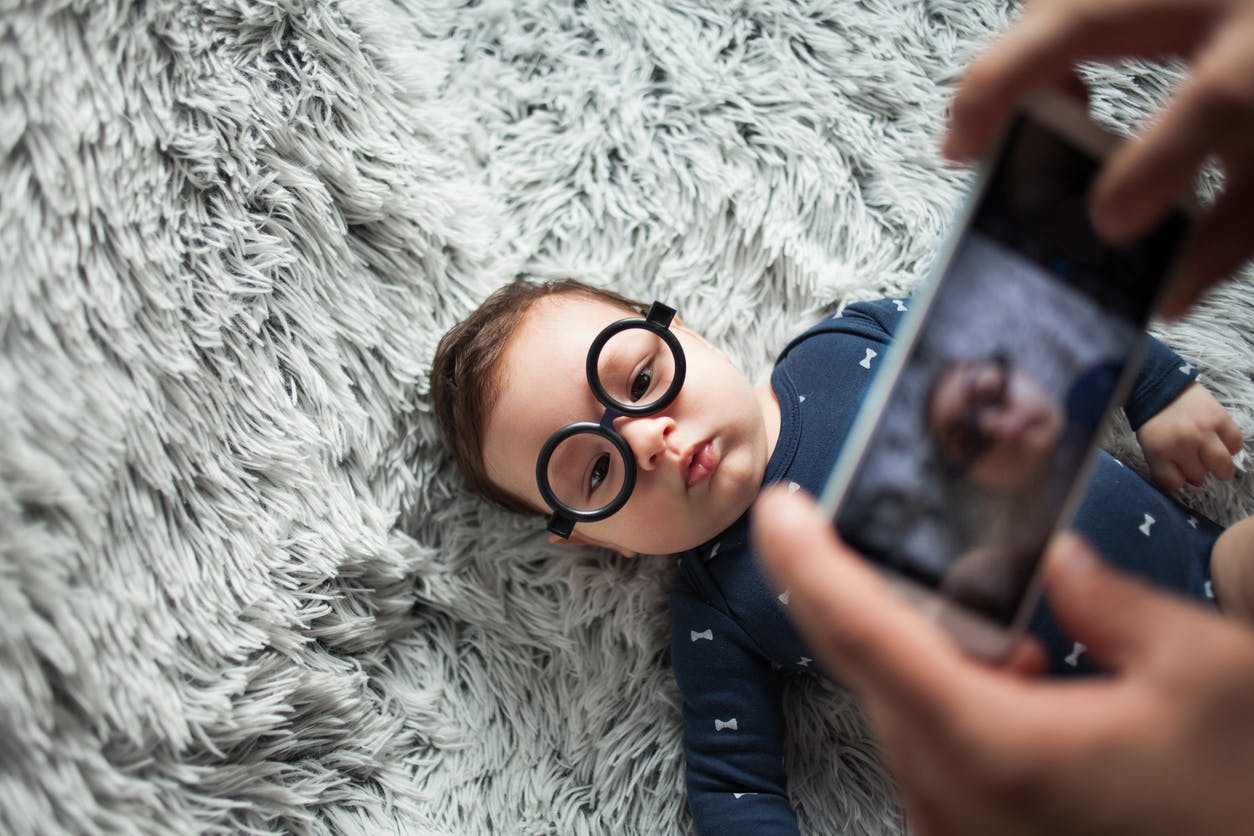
465,377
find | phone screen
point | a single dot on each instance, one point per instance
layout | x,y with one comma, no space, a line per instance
1020,351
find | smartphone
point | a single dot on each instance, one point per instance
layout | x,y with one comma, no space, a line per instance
974,442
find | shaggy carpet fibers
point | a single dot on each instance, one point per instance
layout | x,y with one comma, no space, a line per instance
242,588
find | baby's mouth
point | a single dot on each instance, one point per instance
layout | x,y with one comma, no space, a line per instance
699,464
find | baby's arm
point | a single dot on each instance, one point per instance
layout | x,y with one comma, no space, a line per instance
1182,429
733,726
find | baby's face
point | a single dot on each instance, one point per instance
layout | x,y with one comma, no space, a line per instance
699,461
996,422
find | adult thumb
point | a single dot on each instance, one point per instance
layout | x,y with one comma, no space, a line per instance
864,632
1116,617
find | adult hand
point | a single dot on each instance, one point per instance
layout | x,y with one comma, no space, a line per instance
1164,745
1192,436
1211,114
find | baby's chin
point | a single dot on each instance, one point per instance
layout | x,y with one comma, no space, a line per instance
682,533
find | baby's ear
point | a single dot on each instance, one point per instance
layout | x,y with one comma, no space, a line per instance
578,538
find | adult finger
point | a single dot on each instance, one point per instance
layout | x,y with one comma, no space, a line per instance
1042,46
1219,246
1118,619
1210,113
1026,658
862,629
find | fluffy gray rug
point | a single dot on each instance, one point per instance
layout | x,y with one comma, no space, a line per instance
242,588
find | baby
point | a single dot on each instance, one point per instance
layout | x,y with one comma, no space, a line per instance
631,432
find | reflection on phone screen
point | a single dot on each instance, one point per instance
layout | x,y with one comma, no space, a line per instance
1001,397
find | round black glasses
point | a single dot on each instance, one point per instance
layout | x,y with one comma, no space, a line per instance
586,471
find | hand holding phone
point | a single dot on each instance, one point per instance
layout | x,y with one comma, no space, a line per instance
973,444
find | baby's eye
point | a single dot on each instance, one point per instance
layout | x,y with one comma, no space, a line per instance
640,384
600,469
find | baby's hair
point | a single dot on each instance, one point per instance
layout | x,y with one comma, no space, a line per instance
465,375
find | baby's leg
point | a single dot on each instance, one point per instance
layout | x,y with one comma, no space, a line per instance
1232,569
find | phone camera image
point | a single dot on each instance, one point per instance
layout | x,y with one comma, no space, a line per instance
1020,351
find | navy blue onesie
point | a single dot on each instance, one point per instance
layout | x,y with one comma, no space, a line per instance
731,640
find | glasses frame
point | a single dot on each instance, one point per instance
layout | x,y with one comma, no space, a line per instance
658,321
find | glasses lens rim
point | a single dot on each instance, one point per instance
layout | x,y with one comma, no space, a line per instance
594,358
586,514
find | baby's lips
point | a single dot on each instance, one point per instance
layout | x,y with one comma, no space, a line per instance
699,466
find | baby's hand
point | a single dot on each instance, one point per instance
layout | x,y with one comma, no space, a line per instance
1189,438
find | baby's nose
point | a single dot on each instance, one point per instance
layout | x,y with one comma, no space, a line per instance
647,438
